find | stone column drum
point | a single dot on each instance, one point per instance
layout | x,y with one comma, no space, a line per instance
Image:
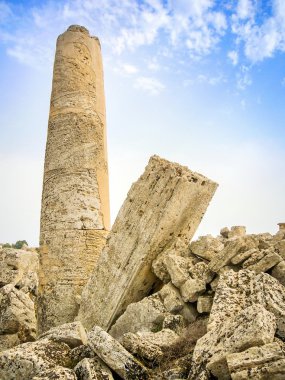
75,199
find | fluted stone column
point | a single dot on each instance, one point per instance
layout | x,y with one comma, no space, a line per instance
75,199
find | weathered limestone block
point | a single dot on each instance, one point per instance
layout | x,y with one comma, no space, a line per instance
280,248
8,341
73,334
75,199
236,231
33,359
150,345
224,257
171,298
92,369
192,289
116,356
279,272
206,247
145,315
79,353
204,304
262,263
239,290
253,326
65,266
177,268
17,314
165,205
57,373
239,258
19,267
258,363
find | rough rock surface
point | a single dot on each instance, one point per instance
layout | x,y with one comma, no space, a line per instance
73,334
92,369
166,204
75,200
17,317
258,363
253,326
116,356
19,267
33,359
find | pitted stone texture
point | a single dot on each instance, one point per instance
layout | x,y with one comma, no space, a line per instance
262,261
239,290
253,326
149,345
73,334
92,369
57,373
258,363
236,231
75,199
65,266
279,272
224,257
204,304
116,356
206,247
33,359
166,204
145,315
17,316
19,267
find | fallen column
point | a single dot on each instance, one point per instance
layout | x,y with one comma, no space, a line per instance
163,208
75,199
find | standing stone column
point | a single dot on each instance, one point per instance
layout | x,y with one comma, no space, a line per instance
75,199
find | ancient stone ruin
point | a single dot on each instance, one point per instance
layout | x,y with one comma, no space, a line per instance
144,302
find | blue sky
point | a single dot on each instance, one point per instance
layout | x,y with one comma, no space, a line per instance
199,82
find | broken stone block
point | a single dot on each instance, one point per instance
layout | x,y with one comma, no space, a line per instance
33,359
264,263
204,304
253,326
57,373
171,298
258,363
19,268
150,345
174,303
123,272
141,347
192,289
280,248
8,341
115,355
73,334
225,232
177,268
81,352
224,257
17,314
206,247
239,258
236,232
279,272
145,315
92,369
238,290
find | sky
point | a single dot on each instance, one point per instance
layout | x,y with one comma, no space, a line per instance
199,82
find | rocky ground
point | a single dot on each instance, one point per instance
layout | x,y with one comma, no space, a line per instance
218,313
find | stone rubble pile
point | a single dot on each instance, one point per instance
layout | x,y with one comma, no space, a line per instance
18,291
157,306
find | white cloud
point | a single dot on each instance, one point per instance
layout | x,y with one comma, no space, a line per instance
243,78
245,9
5,11
129,69
150,85
233,56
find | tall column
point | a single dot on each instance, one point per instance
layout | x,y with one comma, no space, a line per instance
75,199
